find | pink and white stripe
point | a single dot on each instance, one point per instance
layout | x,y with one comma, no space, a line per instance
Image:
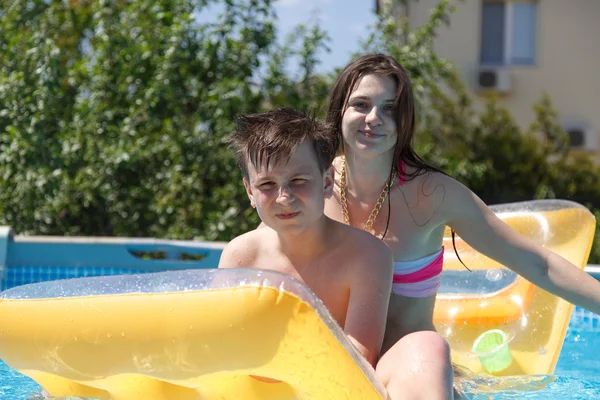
419,278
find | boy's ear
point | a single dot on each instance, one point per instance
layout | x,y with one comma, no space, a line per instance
249,193
329,181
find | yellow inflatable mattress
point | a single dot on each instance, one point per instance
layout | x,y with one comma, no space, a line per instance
252,334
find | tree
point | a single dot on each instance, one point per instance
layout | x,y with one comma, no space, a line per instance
487,150
114,114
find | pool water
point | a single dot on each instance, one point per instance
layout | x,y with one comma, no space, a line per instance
577,375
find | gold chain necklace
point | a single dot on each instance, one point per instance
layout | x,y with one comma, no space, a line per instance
376,208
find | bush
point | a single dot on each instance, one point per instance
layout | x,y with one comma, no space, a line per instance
114,116
487,150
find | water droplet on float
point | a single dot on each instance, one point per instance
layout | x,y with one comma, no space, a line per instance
494,274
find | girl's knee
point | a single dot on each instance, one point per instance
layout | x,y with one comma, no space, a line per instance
417,348
427,347
417,366
428,343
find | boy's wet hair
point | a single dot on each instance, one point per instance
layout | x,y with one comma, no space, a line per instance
272,137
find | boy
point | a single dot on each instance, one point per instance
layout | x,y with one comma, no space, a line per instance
286,157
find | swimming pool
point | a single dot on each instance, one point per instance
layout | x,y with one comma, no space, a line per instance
28,259
577,374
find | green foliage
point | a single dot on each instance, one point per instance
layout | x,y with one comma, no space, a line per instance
486,150
114,115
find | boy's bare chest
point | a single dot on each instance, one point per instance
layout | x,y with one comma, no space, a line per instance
328,282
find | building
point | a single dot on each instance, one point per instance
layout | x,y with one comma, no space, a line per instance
521,49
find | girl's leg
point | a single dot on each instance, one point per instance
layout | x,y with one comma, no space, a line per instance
418,367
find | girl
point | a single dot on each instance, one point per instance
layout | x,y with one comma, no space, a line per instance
385,188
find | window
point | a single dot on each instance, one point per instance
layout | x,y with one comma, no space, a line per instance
582,136
576,137
508,33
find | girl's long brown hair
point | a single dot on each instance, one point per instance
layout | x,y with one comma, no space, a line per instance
383,65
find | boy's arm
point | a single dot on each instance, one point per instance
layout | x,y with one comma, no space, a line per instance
371,286
227,259
236,253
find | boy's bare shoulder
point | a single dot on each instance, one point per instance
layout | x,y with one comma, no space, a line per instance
242,251
362,246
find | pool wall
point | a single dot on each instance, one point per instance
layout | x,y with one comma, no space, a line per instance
28,259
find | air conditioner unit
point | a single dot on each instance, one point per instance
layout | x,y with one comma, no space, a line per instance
582,137
495,79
